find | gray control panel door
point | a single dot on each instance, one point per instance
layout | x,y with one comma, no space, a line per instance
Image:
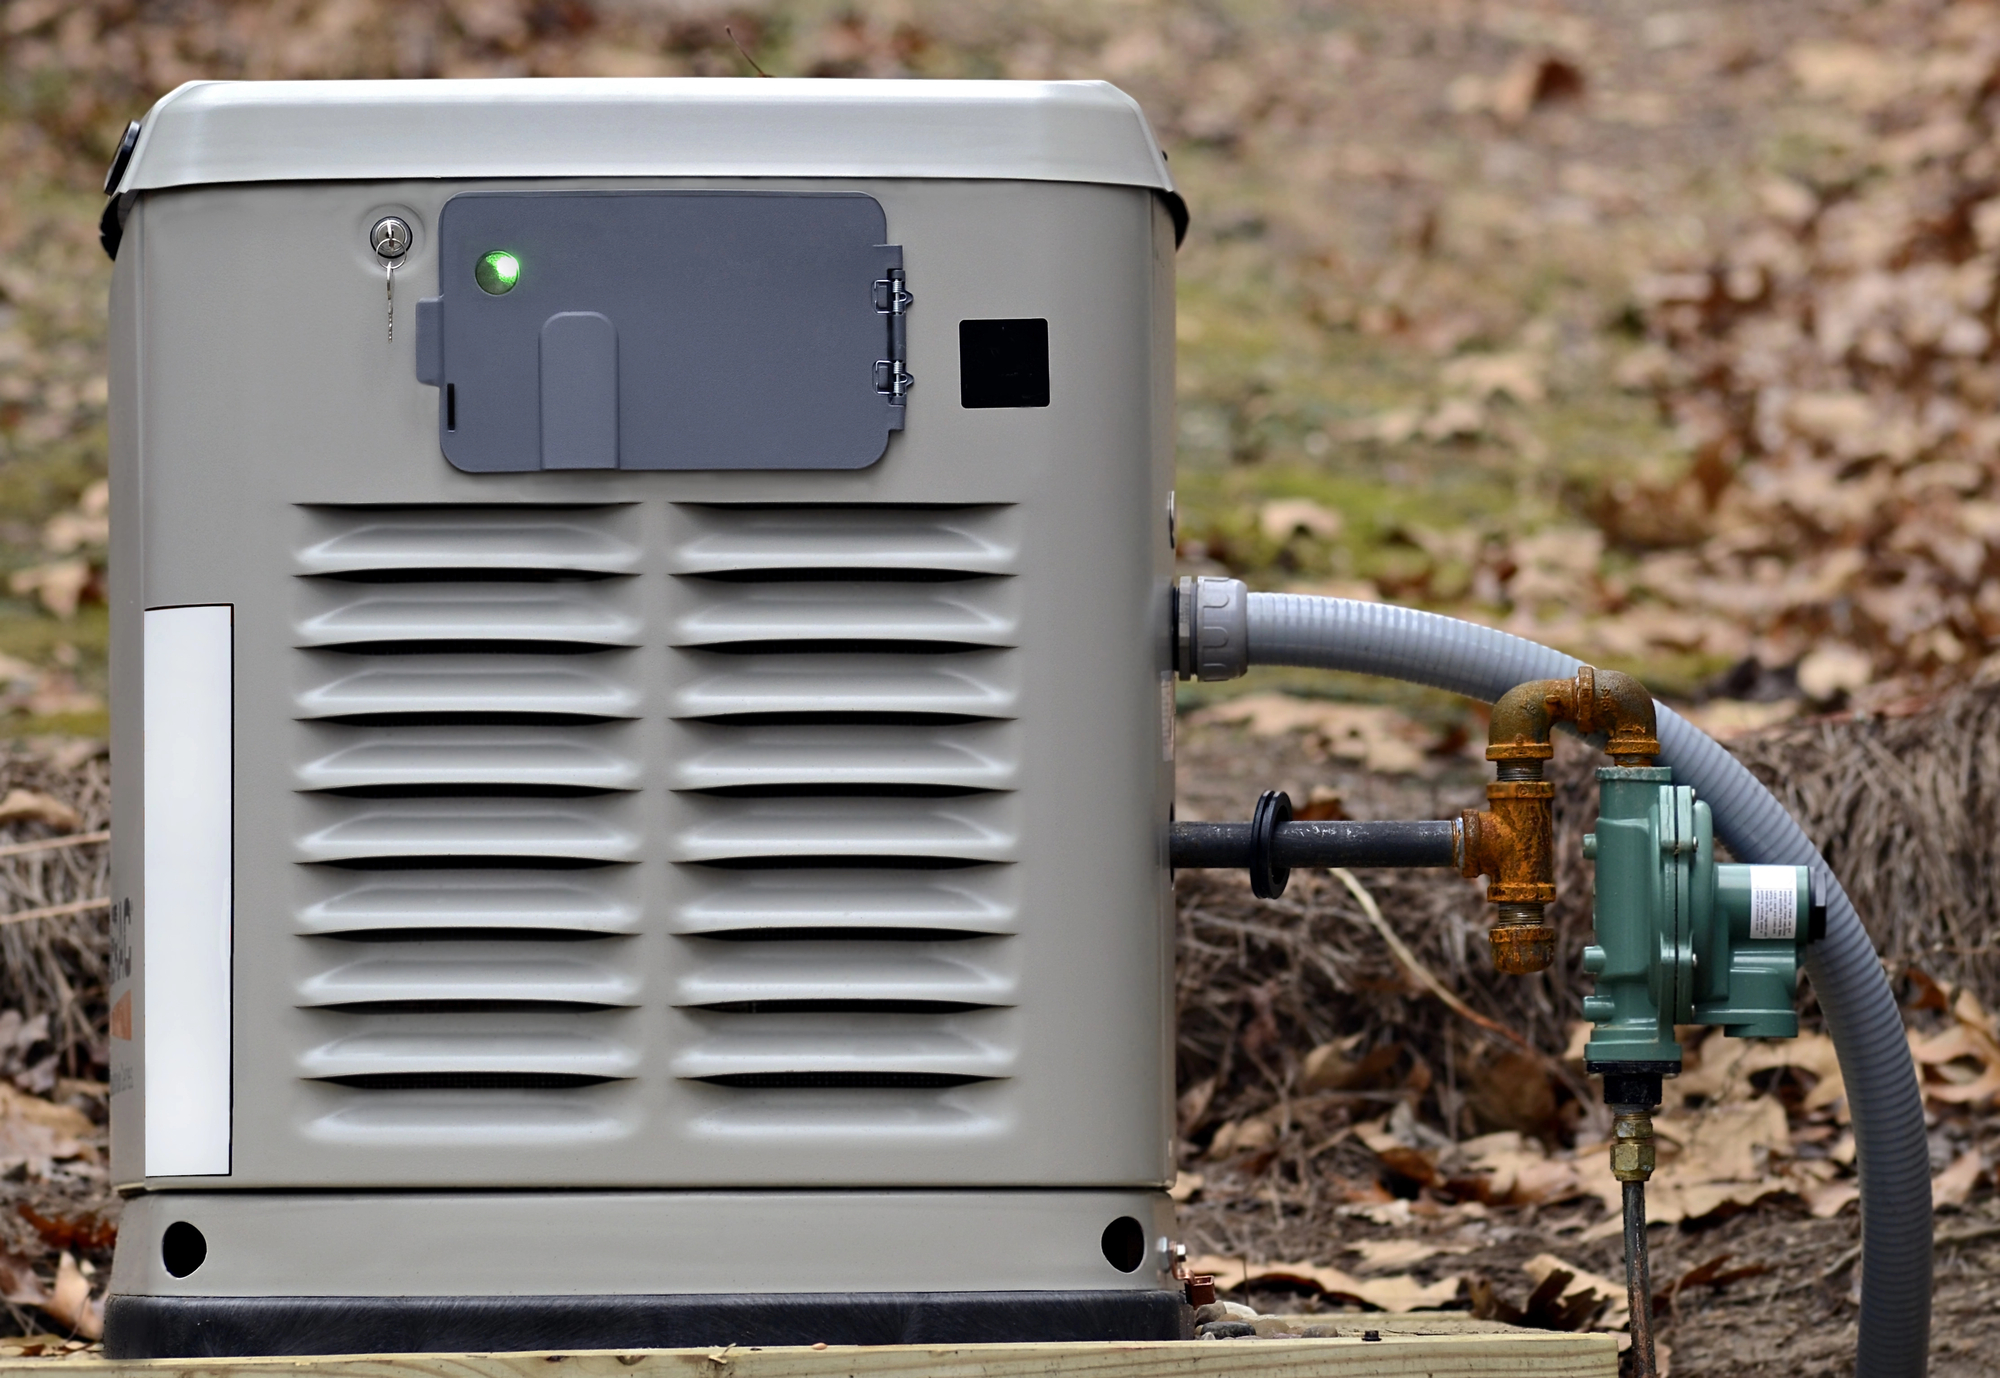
664,330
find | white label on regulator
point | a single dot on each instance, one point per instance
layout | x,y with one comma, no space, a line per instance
1774,901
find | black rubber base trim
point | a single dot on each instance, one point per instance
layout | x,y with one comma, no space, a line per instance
221,1327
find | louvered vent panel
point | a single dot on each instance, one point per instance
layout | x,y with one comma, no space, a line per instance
468,705
848,755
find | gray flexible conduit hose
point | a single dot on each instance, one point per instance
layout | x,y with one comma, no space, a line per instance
1891,1150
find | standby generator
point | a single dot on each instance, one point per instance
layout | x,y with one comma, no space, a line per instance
642,698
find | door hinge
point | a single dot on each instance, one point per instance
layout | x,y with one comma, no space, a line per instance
892,375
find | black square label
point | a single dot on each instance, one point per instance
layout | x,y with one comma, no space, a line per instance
1003,363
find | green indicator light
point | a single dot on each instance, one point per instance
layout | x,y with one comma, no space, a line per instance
497,272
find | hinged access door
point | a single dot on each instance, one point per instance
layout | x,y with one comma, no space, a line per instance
664,330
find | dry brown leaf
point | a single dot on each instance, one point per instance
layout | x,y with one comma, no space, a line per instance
1955,1183
34,1146
1400,1253
1519,376
1379,738
1967,1010
70,1305
1963,1058
1400,1157
28,806
1834,669
59,584
1329,1067
1720,1068
1721,1143
1457,418
18,1282
1855,74
1398,1294
1830,1199
1532,81
1288,517
1726,718
1251,1135
1193,1104
1510,1089
1511,1169
67,1120
1583,1280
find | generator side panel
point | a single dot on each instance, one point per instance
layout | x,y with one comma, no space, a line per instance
681,829
1165,435
126,584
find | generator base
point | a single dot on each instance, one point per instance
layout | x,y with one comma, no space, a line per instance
202,1274
228,1327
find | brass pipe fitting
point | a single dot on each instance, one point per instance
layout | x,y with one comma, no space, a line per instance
1632,1146
1605,701
1512,842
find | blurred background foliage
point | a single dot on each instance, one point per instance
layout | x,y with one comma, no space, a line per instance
1661,332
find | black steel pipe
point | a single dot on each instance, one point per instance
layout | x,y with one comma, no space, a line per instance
1639,1283
1429,842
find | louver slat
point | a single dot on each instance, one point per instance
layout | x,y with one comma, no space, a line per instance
469,830
485,973
829,755
918,540
442,759
423,902
462,688
557,616
940,615
389,543
752,904
978,684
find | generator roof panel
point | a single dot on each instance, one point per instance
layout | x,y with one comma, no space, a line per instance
265,131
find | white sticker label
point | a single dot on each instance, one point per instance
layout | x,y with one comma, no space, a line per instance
188,865
1774,902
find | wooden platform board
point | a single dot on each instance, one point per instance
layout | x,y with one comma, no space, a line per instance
1404,1354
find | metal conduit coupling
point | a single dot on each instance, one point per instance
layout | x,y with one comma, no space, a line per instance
1211,628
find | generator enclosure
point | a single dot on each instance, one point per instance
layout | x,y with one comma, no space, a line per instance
643,723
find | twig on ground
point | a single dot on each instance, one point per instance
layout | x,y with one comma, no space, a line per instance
1832,1270
1422,975
48,844
56,911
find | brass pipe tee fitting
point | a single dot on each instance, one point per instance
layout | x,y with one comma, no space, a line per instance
1512,841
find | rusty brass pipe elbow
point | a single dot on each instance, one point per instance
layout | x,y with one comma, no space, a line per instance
1512,842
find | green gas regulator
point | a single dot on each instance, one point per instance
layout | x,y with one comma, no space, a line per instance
1681,940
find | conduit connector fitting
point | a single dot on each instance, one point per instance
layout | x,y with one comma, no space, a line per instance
1632,1145
1512,842
1211,628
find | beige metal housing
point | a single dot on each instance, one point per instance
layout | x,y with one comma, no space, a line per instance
654,833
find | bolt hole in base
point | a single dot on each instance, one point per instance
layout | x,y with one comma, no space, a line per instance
1124,1244
183,1248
